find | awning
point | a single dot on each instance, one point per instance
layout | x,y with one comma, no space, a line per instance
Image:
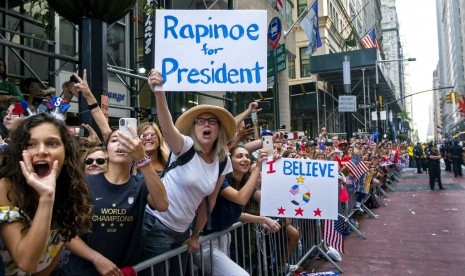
458,134
329,68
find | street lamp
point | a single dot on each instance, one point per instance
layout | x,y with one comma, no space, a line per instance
347,87
377,84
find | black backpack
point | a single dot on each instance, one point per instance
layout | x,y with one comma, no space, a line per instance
184,159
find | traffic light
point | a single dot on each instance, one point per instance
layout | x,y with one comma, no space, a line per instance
449,98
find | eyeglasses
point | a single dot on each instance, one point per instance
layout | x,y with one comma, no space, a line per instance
147,136
202,121
6,113
90,161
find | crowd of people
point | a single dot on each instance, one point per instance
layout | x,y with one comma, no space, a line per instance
100,205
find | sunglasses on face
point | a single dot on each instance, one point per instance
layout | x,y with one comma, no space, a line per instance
202,121
90,161
6,113
148,136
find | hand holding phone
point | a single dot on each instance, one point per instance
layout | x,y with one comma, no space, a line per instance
264,105
268,145
124,123
248,121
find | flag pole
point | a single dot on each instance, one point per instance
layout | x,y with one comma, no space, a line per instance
304,13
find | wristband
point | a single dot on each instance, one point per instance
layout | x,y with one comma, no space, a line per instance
93,106
143,162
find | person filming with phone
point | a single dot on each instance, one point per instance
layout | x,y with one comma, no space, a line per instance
206,130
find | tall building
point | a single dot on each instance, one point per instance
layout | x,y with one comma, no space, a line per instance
451,61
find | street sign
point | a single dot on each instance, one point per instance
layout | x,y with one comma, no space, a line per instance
274,31
280,58
270,81
366,106
347,104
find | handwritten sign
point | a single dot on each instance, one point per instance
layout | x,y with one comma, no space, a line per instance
300,188
211,50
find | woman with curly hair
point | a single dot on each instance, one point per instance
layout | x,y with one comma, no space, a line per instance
44,200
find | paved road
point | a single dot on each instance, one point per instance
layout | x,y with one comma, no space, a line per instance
419,232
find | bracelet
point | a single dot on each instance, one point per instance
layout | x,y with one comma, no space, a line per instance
93,106
95,110
196,232
143,162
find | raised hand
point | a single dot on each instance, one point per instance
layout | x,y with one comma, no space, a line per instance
44,186
131,145
82,85
92,138
154,79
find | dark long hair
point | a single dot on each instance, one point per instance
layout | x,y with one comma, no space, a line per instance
232,181
72,208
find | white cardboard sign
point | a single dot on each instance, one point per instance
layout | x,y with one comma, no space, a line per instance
211,50
299,188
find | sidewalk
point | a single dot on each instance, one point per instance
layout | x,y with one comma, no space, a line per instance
419,232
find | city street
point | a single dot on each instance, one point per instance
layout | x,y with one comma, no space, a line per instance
419,232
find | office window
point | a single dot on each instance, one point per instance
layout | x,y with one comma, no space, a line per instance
291,69
304,63
67,43
301,5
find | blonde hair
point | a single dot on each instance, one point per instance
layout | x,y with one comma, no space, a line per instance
220,146
163,150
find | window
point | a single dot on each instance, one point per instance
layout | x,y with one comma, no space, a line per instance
291,68
301,5
304,63
116,47
67,43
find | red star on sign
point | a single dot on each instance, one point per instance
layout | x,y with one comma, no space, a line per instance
299,211
281,211
317,212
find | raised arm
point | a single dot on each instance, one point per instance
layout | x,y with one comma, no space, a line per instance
173,137
253,107
242,196
157,197
96,112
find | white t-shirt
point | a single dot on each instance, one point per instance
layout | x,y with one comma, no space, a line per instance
186,186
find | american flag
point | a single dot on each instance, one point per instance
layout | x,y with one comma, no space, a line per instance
357,167
279,5
369,40
332,233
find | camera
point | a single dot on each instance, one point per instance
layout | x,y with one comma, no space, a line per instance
293,135
289,136
122,122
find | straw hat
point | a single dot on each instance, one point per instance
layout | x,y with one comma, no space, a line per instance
186,121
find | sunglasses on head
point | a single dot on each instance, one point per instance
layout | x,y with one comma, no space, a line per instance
90,161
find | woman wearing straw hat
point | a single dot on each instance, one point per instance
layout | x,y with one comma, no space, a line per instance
208,129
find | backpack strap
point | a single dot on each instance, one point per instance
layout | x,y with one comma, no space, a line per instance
181,160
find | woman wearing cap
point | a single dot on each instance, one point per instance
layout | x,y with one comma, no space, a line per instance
192,186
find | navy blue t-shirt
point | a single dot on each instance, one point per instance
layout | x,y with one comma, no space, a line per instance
225,213
116,224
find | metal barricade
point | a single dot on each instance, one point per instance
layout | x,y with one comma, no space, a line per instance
253,248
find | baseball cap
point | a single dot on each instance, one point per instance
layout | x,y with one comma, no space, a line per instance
310,144
266,132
